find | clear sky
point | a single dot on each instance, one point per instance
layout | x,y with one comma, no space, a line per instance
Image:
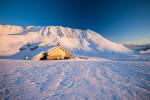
118,20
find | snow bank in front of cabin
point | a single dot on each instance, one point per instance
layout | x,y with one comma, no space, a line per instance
74,80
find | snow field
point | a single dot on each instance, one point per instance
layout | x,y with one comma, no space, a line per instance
74,80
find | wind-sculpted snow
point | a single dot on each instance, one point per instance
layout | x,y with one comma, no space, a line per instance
74,80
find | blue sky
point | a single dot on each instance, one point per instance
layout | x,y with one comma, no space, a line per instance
121,21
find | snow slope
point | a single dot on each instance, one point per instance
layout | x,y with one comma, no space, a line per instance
80,42
74,80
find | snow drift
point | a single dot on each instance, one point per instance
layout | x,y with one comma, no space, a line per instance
80,42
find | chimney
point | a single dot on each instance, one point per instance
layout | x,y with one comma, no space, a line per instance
58,44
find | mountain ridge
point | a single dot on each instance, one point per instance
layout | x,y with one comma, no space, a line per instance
74,39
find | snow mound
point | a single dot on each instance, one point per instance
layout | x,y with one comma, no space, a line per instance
80,42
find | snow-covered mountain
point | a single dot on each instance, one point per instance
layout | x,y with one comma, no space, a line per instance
84,42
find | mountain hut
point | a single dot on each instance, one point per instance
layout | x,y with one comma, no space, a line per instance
56,53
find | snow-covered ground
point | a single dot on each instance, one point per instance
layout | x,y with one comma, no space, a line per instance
100,70
74,80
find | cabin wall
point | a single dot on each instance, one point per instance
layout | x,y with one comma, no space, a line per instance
58,54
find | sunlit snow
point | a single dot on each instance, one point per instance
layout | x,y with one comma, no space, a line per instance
74,80
99,70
